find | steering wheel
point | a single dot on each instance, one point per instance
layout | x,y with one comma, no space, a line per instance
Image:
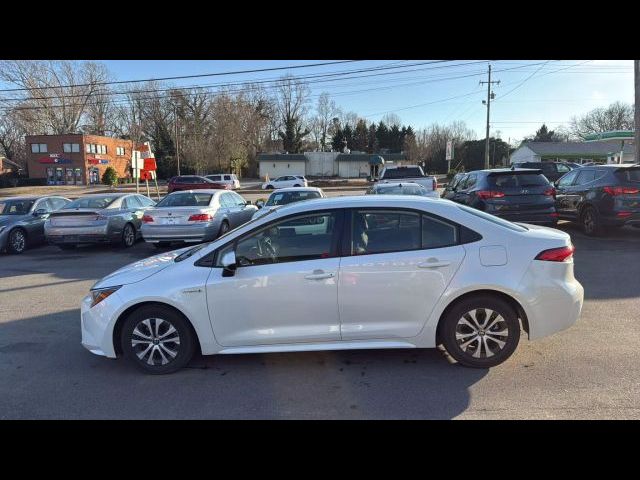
266,249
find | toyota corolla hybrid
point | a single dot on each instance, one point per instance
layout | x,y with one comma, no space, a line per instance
373,272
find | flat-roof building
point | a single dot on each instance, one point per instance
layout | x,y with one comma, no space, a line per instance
76,159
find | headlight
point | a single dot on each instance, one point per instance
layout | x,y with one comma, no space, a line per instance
100,294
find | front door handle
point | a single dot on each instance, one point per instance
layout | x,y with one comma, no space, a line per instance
433,264
319,275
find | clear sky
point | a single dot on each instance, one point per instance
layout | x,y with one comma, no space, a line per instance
531,91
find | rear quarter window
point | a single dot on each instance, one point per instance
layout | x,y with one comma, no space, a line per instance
493,219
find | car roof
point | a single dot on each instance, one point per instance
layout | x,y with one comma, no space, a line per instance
114,194
397,184
298,189
212,191
436,205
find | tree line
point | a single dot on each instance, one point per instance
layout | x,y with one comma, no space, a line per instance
223,130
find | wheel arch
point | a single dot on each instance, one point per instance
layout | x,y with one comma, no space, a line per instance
118,325
517,306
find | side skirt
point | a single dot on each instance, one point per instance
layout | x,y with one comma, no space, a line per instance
312,347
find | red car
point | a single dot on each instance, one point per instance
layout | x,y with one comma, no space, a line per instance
193,182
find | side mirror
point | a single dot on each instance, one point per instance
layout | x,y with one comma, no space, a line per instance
259,203
228,262
41,212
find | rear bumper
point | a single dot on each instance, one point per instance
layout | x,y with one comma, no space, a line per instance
553,298
614,219
180,233
546,217
76,235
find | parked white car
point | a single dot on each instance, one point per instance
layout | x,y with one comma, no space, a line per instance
373,271
285,196
225,179
285,181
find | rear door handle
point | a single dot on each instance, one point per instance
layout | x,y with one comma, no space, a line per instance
319,275
435,264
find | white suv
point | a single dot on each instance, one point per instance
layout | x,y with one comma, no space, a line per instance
226,179
285,181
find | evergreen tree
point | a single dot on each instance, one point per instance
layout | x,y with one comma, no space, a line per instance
382,136
361,136
395,140
348,136
293,135
337,141
372,141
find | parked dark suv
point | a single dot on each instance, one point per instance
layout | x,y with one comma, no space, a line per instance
518,195
552,170
451,187
600,196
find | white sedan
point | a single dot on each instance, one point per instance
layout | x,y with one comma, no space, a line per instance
373,271
285,181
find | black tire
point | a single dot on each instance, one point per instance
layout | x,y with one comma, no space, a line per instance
224,228
464,349
162,244
128,238
296,185
162,318
17,241
269,187
67,246
590,222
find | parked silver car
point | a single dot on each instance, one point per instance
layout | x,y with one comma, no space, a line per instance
22,220
99,218
195,216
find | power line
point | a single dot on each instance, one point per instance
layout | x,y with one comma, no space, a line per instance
181,77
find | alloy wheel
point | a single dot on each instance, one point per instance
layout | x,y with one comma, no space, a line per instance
128,236
481,333
155,341
18,241
588,221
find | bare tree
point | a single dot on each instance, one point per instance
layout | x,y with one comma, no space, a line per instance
12,143
55,93
617,116
391,119
292,105
326,111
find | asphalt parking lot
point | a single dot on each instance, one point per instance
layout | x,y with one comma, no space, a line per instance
588,371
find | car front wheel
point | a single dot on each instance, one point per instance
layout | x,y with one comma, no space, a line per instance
480,332
157,340
17,241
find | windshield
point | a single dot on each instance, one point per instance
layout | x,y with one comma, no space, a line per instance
514,180
402,172
402,190
493,219
186,199
92,202
283,198
15,207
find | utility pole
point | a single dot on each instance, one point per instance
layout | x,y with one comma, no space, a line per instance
175,113
636,116
487,102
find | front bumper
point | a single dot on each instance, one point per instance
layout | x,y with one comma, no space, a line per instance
180,233
96,325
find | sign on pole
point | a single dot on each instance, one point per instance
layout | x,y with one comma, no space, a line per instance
449,155
144,166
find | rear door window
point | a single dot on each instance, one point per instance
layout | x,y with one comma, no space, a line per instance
383,231
585,176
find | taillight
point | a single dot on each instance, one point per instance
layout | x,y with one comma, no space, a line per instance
200,217
624,214
551,192
147,219
484,194
561,254
613,191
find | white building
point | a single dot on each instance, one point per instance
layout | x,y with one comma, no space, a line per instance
326,164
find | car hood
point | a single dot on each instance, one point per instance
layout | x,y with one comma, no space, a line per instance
140,270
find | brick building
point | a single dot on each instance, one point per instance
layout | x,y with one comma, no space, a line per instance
76,159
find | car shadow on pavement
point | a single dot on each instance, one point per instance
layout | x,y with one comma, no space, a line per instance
46,373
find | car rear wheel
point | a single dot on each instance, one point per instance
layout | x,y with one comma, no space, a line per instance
480,332
297,185
128,236
224,228
17,241
590,222
157,340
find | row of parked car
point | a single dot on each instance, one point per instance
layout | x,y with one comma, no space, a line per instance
596,196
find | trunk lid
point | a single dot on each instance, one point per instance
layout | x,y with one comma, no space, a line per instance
75,218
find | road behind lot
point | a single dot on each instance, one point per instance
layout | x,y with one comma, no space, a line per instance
588,371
